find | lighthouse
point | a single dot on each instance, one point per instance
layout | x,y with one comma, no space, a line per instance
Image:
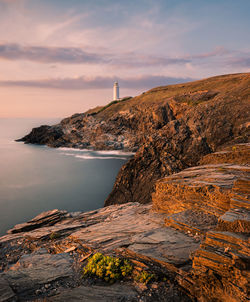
116,91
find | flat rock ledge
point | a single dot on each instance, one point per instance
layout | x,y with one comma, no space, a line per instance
194,238
212,201
46,261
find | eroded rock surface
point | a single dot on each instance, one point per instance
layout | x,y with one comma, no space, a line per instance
94,293
45,218
194,237
205,188
180,144
171,127
212,201
47,260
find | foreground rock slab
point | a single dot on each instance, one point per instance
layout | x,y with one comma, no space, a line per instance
111,293
194,239
213,201
47,261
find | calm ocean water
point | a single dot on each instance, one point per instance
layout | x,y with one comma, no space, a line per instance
34,179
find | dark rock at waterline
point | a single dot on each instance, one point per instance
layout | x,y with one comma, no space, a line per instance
44,219
170,127
43,135
194,238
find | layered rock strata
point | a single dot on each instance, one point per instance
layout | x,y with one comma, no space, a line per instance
47,261
194,238
212,201
170,127
180,144
195,235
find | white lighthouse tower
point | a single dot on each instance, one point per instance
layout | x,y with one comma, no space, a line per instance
116,91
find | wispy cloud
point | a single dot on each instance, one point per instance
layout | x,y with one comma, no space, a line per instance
70,55
218,51
143,82
76,55
243,61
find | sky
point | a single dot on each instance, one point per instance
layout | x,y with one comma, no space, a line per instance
60,57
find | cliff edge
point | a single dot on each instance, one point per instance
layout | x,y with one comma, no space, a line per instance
170,128
190,243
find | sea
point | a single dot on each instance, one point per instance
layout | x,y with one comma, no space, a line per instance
37,178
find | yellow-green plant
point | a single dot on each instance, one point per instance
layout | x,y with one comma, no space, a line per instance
54,235
145,277
107,268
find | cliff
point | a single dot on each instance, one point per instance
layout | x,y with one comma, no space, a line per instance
206,125
192,242
178,212
170,127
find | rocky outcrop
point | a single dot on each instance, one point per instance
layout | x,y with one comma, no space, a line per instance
192,162
44,219
43,135
204,188
212,201
171,128
48,260
126,124
221,267
193,238
181,144
116,130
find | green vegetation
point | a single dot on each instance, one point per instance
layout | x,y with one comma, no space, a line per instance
54,235
145,277
107,268
110,104
111,269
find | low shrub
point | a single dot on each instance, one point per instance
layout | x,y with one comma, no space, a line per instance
54,235
107,268
145,277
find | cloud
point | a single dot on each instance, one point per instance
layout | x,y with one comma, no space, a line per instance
70,55
240,62
76,55
82,83
218,51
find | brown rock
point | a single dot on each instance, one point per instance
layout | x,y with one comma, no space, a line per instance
43,219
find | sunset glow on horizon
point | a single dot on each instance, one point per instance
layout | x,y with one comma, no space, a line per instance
60,57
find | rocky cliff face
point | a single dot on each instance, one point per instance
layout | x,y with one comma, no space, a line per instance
212,201
171,128
122,128
182,143
193,238
192,162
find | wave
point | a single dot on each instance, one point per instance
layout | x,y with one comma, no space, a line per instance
87,156
115,152
73,149
93,152
100,157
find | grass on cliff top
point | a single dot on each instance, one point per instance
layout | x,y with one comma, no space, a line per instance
232,85
100,109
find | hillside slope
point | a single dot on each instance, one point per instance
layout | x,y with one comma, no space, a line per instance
127,123
204,127
170,127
